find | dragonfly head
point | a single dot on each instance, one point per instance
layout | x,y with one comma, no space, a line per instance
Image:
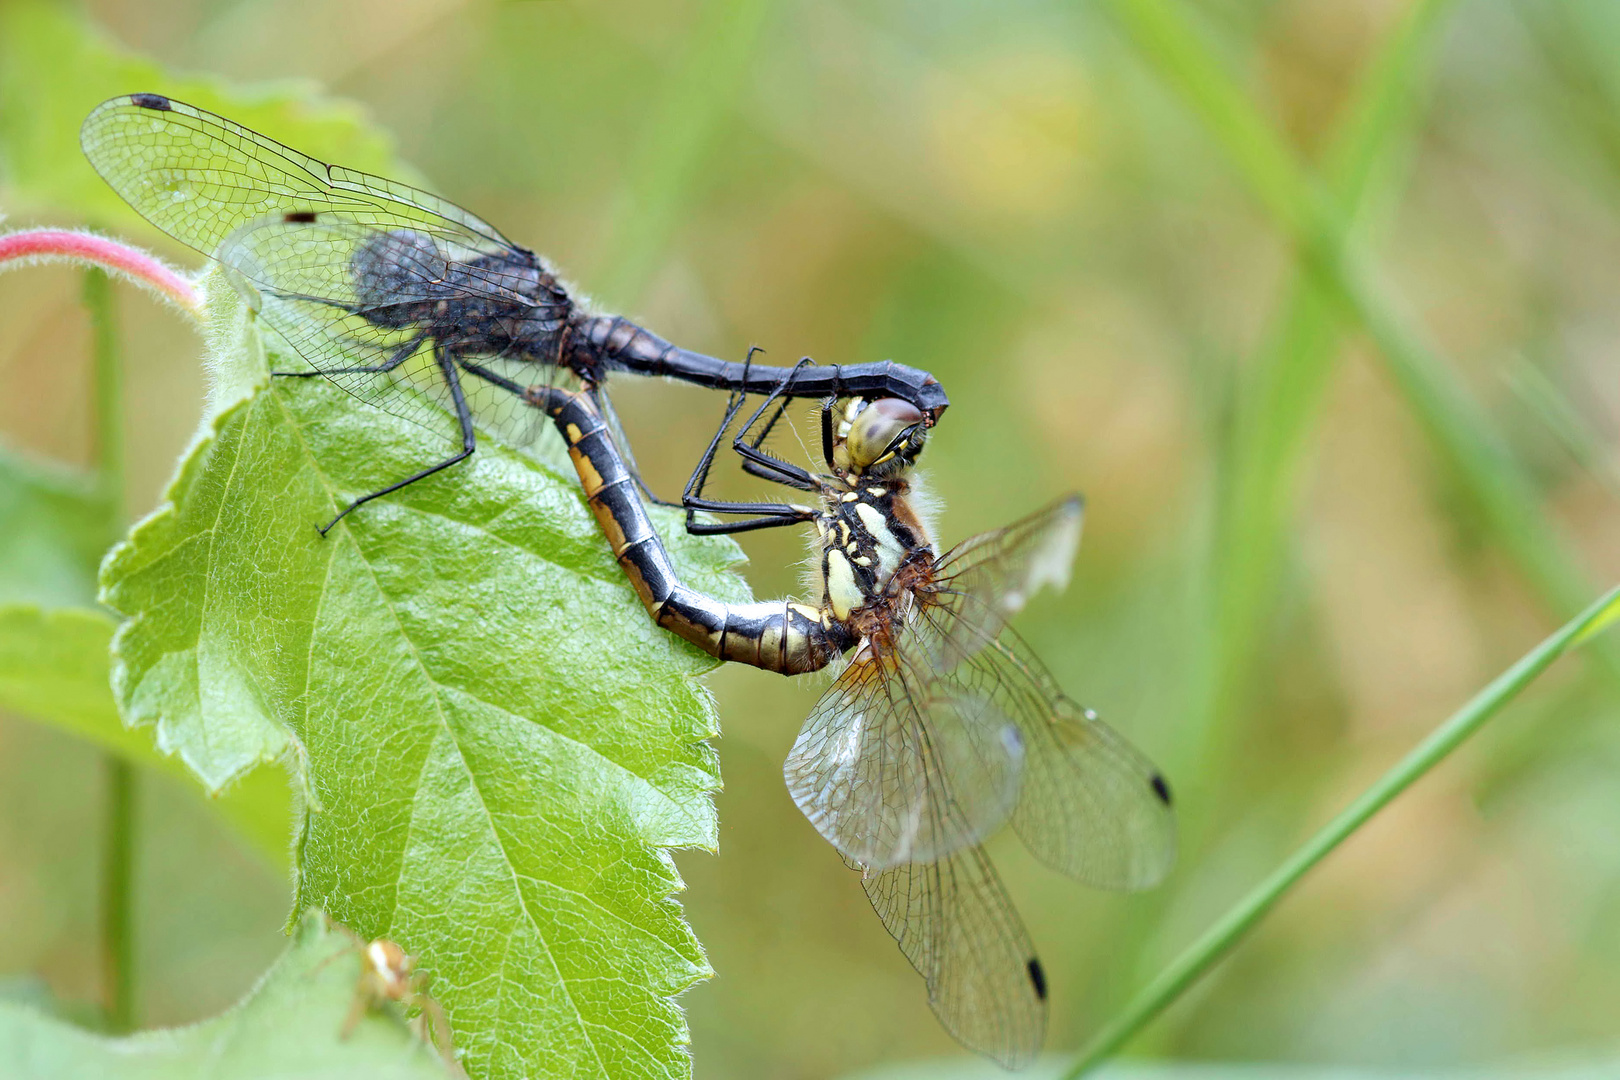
879,438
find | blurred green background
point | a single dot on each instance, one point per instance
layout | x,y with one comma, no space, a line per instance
1306,544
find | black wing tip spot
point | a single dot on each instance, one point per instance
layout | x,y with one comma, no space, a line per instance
1160,788
1037,977
299,217
155,102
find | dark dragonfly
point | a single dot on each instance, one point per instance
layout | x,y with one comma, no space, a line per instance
393,293
941,728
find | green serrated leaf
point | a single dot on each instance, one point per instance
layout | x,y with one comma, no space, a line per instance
55,67
54,668
293,1026
53,525
495,741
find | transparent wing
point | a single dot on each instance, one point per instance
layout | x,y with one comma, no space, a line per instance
1090,805
1001,570
953,921
349,269
200,177
925,747
897,764
358,304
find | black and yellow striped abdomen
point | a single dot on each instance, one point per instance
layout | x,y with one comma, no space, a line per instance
774,635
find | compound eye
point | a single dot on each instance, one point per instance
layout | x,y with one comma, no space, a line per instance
880,430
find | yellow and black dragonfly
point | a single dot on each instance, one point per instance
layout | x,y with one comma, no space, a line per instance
942,726
390,291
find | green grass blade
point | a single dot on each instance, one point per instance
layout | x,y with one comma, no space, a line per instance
122,781
1218,939
1455,423
1279,403
678,141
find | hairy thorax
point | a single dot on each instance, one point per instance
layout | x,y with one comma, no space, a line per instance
872,545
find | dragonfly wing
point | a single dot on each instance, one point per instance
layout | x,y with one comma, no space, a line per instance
1001,570
1090,806
351,301
895,765
347,268
200,177
953,921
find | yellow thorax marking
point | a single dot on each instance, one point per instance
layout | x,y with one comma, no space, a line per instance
842,593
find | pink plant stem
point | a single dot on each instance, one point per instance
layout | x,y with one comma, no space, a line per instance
40,245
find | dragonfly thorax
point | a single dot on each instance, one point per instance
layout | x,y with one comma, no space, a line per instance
503,305
867,534
868,526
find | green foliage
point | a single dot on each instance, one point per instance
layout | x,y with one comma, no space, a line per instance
493,740
55,522
850,180
54,664
53,529
290,1027
492,743
54,670
54,68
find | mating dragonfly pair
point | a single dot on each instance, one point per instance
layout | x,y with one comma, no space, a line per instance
941,728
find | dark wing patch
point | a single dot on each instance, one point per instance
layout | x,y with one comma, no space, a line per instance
1037,977
199,177
349,269
953,921
1090,805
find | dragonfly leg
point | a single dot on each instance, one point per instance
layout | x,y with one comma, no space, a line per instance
630,461
726,528
469,442
499,381
404,353
772,515
604,406
756,462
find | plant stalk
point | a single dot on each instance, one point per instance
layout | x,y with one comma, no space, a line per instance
1203,954
117,921
118,820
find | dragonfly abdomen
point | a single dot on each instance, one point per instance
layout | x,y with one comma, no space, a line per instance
776,635
612,343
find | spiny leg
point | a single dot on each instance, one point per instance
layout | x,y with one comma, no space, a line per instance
469,441
692,496
756,462
604,406
635,471
774,515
